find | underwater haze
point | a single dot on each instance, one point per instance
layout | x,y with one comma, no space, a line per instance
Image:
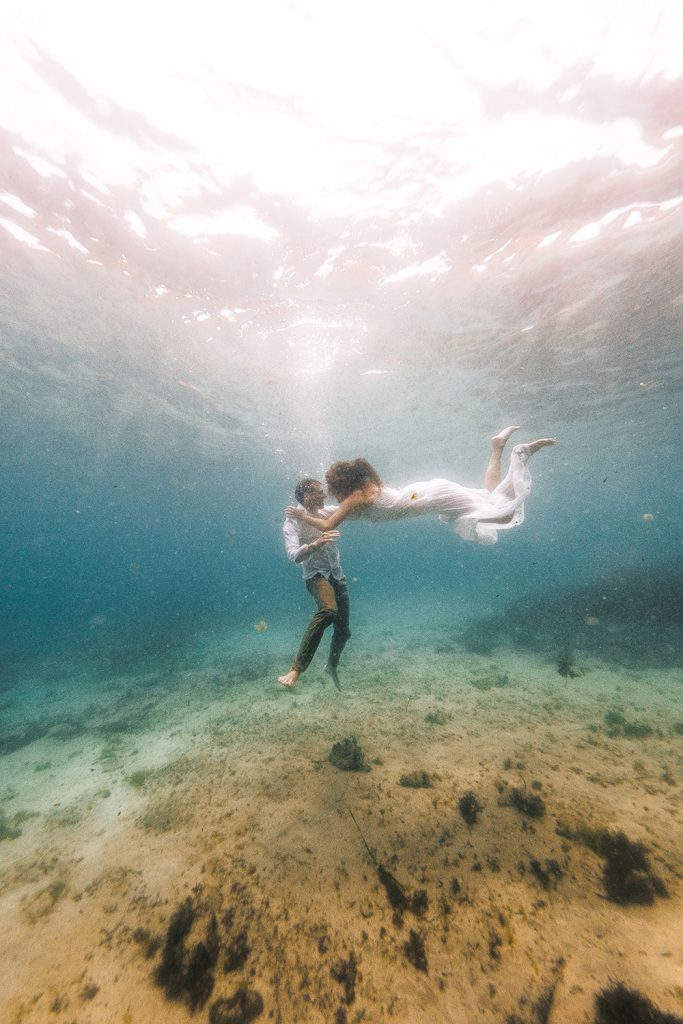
238,246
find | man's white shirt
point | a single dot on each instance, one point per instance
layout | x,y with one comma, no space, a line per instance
323,561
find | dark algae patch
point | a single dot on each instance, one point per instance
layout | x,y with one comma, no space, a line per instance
469,807
205,944
567,667
621,1005
187,974
419,903
6,830
527,803
399,898
241,1008
638,730
345,972
414,950
627,874
494,680
347,756
416,780
396,893
547,873
617,725
614,719
140,778
438,717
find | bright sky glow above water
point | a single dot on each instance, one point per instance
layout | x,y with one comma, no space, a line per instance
304,97
327,191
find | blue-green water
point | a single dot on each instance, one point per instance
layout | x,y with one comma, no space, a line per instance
138,551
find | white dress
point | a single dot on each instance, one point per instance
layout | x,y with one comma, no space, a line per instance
462,508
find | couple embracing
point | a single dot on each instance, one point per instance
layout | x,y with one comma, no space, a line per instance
311,534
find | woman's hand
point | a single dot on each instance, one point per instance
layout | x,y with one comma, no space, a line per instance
294,512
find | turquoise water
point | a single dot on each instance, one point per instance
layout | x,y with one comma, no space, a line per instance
131,553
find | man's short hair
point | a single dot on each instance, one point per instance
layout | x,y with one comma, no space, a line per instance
303,487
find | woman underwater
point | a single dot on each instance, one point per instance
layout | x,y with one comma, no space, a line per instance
474,514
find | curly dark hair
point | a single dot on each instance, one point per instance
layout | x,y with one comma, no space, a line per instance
303,487
343,478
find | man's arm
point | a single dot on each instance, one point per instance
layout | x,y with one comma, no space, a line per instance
298,552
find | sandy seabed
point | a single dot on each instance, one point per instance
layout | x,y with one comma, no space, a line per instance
178,846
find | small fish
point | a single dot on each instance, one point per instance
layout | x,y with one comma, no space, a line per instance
648,517
414,496
592,620
261,626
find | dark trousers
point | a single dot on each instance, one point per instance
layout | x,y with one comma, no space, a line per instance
332,599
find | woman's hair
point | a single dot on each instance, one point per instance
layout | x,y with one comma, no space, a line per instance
343,478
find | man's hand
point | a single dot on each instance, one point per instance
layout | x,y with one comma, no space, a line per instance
325,538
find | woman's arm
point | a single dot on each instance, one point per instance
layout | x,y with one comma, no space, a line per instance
347,506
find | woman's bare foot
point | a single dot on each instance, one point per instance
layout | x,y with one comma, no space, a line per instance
542,442
500,440
290,679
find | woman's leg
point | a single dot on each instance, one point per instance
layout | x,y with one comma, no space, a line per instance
494,473
534,446
510,487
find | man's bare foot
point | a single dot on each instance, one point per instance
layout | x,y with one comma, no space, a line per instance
500,440
332,671
290,679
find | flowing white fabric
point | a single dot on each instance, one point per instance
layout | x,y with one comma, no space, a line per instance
462,508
